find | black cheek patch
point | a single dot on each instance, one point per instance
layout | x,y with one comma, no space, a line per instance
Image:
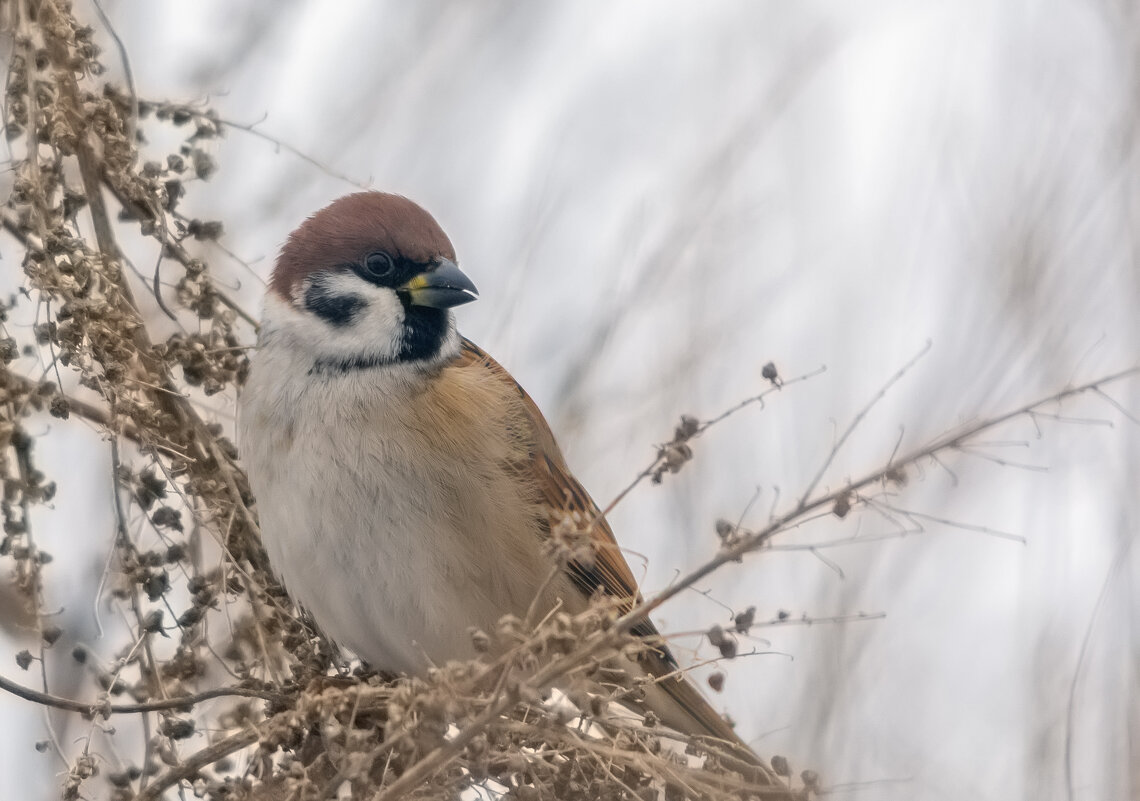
338,310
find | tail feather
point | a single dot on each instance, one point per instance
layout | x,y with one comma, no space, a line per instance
680,706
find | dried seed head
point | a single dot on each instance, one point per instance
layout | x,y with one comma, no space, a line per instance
688,426
743,620
60,407
169,517
896,476
725,529
570,541
510,627
9,351
676,456
204,164
152,622
716,636
722,642
177,728
716,681
842,505
479,640
672,458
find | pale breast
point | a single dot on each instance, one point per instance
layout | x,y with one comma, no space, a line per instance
393,509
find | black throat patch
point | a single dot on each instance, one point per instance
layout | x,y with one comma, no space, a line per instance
425,329
424,332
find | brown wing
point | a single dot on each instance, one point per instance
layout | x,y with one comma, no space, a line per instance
609,572
562,492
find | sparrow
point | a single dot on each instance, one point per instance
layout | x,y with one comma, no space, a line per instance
406,484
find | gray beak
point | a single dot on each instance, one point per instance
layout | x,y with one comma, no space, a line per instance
441,286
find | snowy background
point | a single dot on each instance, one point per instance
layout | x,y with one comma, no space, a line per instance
656,198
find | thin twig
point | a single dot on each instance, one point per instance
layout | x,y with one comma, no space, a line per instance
179,703
858,419
1082,657
282,145
806,505
651,468
190,766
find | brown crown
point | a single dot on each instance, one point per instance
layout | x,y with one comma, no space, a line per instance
350,228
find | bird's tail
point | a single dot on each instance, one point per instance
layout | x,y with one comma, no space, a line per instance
680,706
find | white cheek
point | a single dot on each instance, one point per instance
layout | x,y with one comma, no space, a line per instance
375,331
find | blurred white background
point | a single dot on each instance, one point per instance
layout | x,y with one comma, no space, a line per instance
655,198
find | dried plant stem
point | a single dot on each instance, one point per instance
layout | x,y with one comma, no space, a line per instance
191,765
858,418
184,702
653,466
174,249
752,541
426,767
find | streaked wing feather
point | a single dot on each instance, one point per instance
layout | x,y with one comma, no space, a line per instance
610,572
562,492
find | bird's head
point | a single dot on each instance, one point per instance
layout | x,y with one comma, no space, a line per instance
365,282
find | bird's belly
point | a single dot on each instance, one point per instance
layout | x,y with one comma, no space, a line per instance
392,561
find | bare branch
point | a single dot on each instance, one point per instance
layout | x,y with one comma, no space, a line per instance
190,766
181,703
808,505
858,419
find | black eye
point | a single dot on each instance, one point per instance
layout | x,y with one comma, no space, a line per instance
379,266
